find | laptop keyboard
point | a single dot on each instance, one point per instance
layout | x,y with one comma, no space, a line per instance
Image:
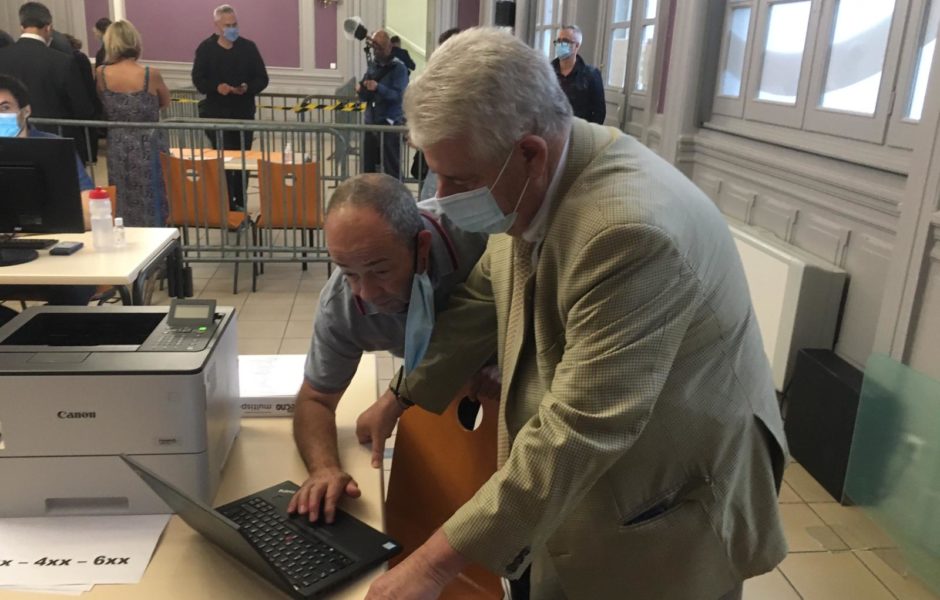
303,559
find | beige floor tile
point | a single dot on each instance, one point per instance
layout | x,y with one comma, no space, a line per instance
224,285
803,484
787,495
265,298
263,313
303,311
266,284
851,524
832,576
302,328
806,532
258,346
204,270
261,330
889,567
224,299
294,346
769,586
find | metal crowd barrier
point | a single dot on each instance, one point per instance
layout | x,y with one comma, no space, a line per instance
313,108
288,170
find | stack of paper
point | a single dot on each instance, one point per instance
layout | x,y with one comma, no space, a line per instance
69,555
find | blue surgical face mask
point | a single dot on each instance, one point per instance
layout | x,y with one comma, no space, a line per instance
563,50
9,125
230,33
477,211
420,320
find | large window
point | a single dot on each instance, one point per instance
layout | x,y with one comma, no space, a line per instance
547,25
644,67
618,47
825,66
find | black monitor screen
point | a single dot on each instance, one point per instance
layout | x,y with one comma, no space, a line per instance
39,186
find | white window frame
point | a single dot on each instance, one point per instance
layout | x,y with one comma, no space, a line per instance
733,106
608,44
901,130
774,112
640,22
867,128
541,27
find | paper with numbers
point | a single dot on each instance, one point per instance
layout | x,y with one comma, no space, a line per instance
53,551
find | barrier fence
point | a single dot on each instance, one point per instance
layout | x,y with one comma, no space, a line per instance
287,171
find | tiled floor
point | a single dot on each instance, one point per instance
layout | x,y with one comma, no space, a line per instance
836,552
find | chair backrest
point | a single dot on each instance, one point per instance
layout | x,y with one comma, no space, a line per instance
437,465
196,191
289,195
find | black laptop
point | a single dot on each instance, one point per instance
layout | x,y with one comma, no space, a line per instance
299,557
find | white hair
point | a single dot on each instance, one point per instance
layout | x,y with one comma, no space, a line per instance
222,9
486,87
576,31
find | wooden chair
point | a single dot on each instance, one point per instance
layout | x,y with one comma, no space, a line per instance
290,200
437,465
198,197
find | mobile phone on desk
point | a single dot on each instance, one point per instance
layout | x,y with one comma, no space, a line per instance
66,248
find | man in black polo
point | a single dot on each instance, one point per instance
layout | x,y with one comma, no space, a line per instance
580,81
229,70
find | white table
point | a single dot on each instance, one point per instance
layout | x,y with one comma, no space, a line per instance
126,267
187,566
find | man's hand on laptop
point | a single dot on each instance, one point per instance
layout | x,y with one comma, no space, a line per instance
376,423
323,490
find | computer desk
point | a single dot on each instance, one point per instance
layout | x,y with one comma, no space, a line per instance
186,566
126,267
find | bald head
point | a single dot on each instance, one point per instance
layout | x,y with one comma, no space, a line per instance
382,45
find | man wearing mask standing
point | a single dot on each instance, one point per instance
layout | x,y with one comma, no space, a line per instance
382,89
229,70
54,82
581,82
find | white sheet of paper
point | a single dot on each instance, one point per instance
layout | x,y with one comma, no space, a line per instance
64,590
51,551
265,376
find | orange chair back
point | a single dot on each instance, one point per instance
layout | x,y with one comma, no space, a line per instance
289,195
437,466
197,193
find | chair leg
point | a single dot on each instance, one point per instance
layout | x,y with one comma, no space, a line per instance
254,264
306,241
238,241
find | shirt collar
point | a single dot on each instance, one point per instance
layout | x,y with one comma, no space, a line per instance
33,36
535,232
442,260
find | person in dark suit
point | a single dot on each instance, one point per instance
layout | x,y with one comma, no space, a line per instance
88,77
402,54
52,77
101,25
5,39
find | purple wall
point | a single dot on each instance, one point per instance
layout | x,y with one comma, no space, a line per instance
171,29
94,10
468,13
325,36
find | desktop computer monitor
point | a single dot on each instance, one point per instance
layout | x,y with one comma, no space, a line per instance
38,191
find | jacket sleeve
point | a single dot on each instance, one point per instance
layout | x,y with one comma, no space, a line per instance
628,300
259,73
598,103
392,87
79,96
464,338
203,79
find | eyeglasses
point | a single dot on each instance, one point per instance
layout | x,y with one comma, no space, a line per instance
564,41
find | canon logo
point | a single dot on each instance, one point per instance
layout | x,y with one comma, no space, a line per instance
64,414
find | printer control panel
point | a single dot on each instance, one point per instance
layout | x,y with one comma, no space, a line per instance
188,327
178,339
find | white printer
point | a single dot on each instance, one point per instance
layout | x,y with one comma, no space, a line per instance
79,386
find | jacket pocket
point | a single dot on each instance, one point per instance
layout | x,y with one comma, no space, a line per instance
695,489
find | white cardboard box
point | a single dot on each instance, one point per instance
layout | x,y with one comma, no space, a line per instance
268,384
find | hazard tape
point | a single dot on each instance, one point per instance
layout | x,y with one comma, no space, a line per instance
297,108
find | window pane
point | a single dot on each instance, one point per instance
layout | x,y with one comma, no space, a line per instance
651,9
622,10
859,43
547,42
617,61
736,36
644,67
547,11
783,55
928,41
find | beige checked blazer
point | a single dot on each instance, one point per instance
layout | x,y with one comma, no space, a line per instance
645,441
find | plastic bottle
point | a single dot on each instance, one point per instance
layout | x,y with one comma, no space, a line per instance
102,227
119,236
288,156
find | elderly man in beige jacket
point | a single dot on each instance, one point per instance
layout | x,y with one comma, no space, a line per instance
640,442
